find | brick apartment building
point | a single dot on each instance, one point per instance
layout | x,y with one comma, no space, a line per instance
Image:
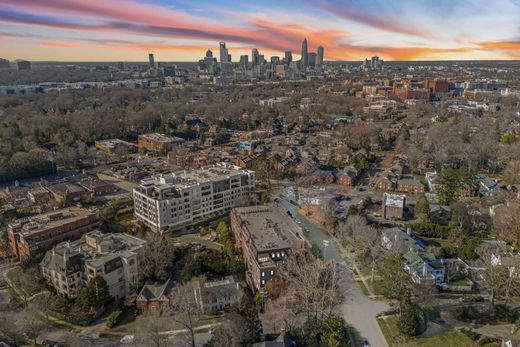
116,146
393,206
410,185
405,93
30,235
155,142
266,237
437,86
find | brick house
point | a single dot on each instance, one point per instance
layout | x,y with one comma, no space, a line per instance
410,185
155,297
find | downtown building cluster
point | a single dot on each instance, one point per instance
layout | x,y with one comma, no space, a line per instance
257,66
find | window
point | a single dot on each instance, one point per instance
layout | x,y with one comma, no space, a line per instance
263,274
272,272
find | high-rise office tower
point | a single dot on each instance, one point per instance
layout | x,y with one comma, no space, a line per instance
209,53
244,61
319,58
254,56
311,59
275,59
288,57
261,59
229,58
223,52
151,60
304,58
374,63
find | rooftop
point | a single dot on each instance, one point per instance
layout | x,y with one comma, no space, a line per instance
270,229
161,138
34,224
394,200
186,179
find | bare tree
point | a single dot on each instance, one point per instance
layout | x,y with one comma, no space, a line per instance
313,284
495,280
229,334
185,309
152,332
506,223
158,256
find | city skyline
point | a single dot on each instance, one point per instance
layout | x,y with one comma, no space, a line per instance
81,30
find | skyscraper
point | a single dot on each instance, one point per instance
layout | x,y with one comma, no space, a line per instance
209,53
244,61
254,56
223,52
305,58
311,59
319,58
288,57
151,60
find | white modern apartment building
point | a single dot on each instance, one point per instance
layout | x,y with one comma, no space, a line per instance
186,198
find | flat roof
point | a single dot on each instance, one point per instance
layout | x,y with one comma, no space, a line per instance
395,200
161,137
35,224
270,228
185,179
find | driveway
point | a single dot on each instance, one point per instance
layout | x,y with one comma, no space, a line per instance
358,310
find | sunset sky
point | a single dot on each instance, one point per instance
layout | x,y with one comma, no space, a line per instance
182,30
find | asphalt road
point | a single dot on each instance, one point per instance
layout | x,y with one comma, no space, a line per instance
358,310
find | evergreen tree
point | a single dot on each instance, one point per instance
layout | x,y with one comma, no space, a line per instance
334,332
95,294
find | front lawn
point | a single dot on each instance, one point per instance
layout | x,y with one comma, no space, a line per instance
452,337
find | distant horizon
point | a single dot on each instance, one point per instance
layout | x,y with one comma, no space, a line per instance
349,30
145,62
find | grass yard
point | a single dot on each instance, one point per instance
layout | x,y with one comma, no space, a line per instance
363,288
388,327
436,242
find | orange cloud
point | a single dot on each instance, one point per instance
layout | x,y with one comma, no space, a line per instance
59,45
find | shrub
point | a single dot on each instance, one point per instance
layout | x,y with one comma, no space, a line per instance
426,229
114,318
432,313
466,314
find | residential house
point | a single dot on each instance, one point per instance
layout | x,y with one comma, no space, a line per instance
410,185
217,295
424,267
155,297
349,175
399,241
